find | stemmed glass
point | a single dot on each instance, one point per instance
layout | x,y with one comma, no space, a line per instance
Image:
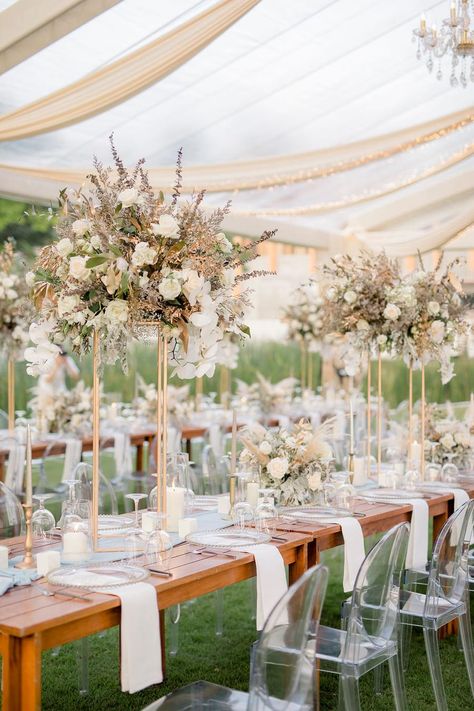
42,520
136,498
449,472
266,513
242,514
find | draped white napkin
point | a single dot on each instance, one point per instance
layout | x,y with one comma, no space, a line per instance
417,553
140,643
72,457
271,578
354,551
460,495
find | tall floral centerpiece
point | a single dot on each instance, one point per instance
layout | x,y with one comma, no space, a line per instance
15,317
294,464
430,326
304,319
357,305
126,261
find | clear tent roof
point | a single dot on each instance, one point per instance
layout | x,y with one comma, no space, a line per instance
288,77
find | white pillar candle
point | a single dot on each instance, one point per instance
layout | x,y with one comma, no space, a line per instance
174,506
399,468
75,546
223,504
360,471
3,558
415,455
150,521
252,493
187,525
47,561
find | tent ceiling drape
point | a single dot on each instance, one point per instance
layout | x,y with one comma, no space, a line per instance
279,113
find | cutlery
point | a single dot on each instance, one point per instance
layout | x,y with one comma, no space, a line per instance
279,538
50,593
157,571
206,551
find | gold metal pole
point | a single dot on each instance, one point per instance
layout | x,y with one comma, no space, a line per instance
379,414
95,437
369,415
11,394
159,420
422,424
198,391
410,412
165,421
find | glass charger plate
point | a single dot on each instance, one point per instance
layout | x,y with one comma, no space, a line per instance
312,513
392,494
110,525
94,577
223,538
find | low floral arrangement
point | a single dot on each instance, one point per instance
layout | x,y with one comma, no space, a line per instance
454,441
125,258
15,307
269,397
304,317
68,411
295,464
431,317
180,407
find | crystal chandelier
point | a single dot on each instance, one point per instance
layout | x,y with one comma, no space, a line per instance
455,38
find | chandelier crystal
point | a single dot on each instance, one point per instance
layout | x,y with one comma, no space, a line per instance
454,39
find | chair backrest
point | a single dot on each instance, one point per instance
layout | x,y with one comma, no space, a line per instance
15,470
282,674
449,564
376,594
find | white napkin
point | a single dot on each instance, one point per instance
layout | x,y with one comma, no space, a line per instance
140,643
271,578
417,553
460,495
354,551
72,457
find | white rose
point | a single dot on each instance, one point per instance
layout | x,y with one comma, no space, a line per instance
128,197
67,304
265,447
143,254
391,312
350,296
433,308
117,311
223,243
64,247
437,331
30,278
169,288
362,325
462,438
166,226
278,467
381,340
447,441
331,293
96,242
78,269
80,227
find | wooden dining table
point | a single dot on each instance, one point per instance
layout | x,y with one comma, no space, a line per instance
31,623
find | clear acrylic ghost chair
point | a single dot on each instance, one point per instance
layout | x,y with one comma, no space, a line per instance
213,478
281,674
59,460
371,633
431,601
107,498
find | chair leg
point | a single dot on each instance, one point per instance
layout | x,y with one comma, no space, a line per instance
467,644
378,680
174,630
219,602
434,663
350,693
405,643
398,682
82,655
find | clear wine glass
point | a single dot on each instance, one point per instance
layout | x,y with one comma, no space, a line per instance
42,520
158,549
242,514
449,471
412,479
266,513
136,498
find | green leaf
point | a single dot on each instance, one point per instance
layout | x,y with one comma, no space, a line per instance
124,282
96,261
245,329
118,207
115,250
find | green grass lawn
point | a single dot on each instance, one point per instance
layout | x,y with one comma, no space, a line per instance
226,660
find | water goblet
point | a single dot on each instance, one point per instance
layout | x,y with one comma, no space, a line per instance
135,543
136,498
42,520
158,549
412,479
242,514
432,471
449,472
266,513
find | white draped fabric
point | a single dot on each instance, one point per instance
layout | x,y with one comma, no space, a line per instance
23,32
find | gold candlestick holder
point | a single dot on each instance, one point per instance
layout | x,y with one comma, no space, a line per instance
350,466
28,560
